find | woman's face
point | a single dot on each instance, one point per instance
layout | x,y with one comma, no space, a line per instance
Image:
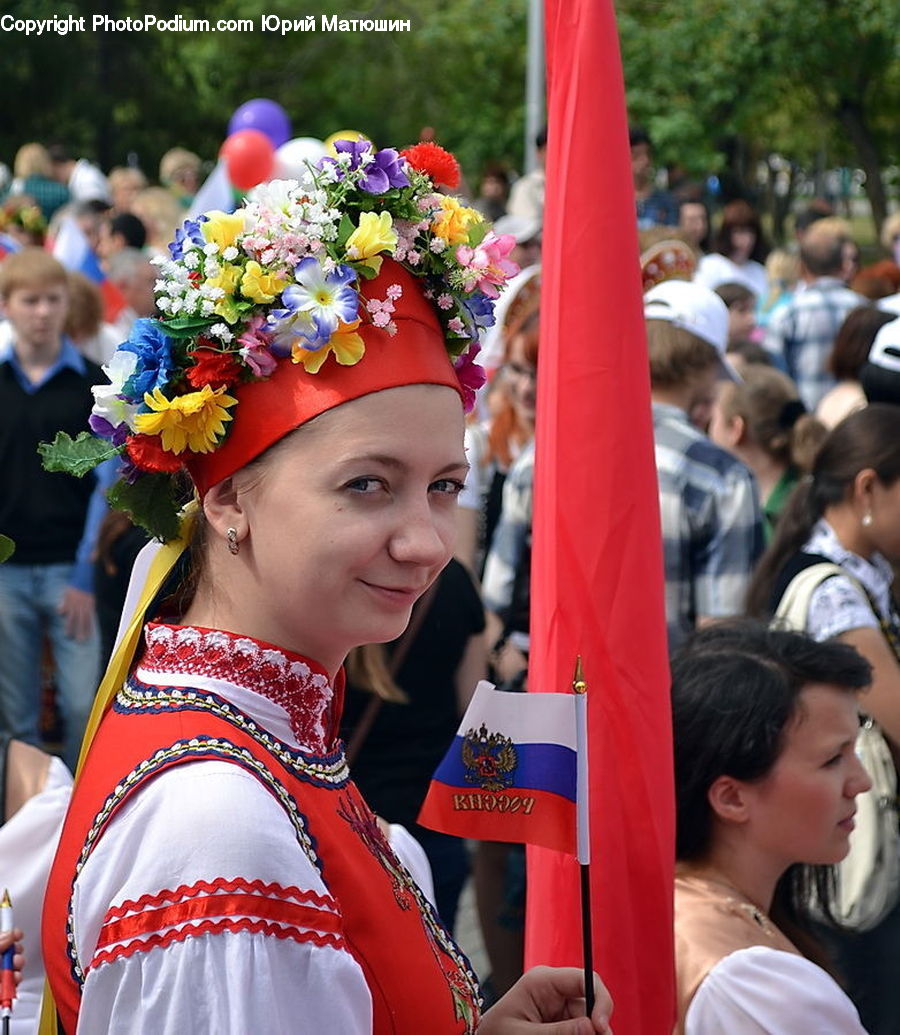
884,531
693,221
802,810
743,241
350,520
521,379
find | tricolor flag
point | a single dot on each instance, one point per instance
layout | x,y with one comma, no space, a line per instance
72,248
510,773
8,245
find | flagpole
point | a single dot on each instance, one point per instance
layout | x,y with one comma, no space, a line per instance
583,827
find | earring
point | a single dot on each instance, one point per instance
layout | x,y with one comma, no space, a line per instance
233,544
867,519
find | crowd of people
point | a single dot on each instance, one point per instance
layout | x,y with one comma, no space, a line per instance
775,393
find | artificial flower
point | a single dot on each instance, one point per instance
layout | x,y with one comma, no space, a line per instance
347,346
381,169
214,368
227,278
290,327
487,266
188,233
435,162
102,428
375,234
329,298
255,343
222,229
452,221
471,375
259,285
111,409
153,367
147,454
194,421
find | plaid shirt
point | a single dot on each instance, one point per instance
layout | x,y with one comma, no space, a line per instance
803,331
511,543
711,524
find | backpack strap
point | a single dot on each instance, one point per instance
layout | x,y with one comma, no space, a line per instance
793,607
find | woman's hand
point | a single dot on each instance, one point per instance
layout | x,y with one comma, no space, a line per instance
549,1001
14,938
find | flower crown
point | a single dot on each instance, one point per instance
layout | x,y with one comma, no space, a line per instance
26,217
279,280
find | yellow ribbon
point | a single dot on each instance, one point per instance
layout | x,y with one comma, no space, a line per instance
117,672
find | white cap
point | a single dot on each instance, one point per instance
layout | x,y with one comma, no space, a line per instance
694,309
885,350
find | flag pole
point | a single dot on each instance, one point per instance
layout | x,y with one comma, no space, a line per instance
583,826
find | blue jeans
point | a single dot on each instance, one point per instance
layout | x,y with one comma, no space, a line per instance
29,598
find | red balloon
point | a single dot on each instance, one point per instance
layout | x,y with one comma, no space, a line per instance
249,157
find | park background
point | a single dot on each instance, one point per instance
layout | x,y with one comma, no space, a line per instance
775,100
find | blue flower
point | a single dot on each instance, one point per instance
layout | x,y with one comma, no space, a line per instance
190,232
153,349
290,327
480,308
328,298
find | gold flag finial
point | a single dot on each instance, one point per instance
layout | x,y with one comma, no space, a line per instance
7,901
579,686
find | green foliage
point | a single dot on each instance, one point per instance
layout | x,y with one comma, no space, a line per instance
150,502
777,74
7,548
76,455
461,69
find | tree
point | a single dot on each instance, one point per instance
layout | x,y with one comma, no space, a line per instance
778,75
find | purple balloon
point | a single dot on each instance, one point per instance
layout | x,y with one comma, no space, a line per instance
266,116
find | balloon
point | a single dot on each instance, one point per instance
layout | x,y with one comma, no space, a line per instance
266,116
291,158
249,158
342,134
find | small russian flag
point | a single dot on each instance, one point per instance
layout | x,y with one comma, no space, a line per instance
510,773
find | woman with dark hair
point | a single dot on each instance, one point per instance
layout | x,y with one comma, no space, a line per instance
848,354
847,512
766,775
739,251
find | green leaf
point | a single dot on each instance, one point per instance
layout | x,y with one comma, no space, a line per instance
477,233
345,229
7,548
185,326
76,456
149,502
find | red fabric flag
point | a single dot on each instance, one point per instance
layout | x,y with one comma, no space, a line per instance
597,570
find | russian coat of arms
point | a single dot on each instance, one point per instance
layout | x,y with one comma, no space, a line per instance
490,759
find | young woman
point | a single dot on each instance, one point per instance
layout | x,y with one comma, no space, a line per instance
218,871
739,251
766,775
762,421
847,511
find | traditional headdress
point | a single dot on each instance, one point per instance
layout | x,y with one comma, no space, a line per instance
358,278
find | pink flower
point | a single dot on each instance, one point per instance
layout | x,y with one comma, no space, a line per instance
486,265
471,375
255,351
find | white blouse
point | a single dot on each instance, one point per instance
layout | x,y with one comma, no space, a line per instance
763,991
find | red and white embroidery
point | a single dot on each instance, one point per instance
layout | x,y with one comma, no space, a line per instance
179,652
155,921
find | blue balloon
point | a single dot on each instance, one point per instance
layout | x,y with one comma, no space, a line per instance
266,116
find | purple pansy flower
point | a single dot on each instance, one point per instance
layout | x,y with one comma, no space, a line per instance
153,349
101,427
386,169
